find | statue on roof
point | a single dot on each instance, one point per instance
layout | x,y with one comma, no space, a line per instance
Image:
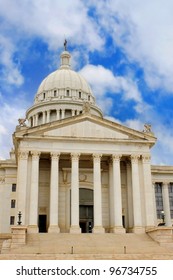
147,128
65,45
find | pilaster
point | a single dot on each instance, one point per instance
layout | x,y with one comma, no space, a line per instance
149,207
22,183
33,211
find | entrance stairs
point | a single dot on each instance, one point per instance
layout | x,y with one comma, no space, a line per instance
66,246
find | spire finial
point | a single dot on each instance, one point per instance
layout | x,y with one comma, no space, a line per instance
65,44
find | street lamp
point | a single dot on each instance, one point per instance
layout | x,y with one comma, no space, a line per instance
19,218
163,216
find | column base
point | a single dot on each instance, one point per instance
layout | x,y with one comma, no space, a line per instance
98,229
32,229
118,230
75,229
138,229
53,229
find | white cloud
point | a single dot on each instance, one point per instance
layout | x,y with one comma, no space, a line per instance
11,71
103,83
9,115
53,20
144,30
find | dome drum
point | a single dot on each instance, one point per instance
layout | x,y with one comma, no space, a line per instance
51,111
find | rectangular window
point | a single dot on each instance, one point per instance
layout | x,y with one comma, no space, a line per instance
13,203
12,220
13,187
170,189
79,94
67,92
159,199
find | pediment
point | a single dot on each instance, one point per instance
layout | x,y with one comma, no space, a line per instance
88,127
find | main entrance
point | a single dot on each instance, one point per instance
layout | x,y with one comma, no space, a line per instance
86,217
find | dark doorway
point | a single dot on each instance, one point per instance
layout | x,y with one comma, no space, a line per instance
86,217
42,223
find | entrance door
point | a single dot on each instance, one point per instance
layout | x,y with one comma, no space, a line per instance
86,218
42,223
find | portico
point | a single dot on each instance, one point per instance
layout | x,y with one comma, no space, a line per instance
107,175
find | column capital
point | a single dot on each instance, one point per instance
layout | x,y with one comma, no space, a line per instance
23,154
116,157
165,183
134,158
35,154
146,158
75,156
55,155
97,157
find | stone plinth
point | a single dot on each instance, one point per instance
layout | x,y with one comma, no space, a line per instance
118,230
161,234
18,236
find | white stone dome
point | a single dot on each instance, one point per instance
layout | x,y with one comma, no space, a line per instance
62,94
64,78
64,82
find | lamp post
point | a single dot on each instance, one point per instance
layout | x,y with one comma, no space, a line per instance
19,218
163,216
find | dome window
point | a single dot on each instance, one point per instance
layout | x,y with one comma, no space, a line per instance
44,95
89,97
54,93
80,94
67,93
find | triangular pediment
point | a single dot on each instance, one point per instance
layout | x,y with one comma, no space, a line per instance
88,127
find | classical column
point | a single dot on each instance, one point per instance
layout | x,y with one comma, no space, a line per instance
111,202
117,197
166,204
58,114
36,119
44,117
136,195
54,193
62,114
33,211
129,196
154,202
98,227
73,113
22,183
75,194
48,116
149,207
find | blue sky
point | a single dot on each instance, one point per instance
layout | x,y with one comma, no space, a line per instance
124,48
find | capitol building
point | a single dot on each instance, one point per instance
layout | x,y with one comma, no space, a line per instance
73,171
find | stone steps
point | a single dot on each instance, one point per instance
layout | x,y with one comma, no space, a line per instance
90,244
